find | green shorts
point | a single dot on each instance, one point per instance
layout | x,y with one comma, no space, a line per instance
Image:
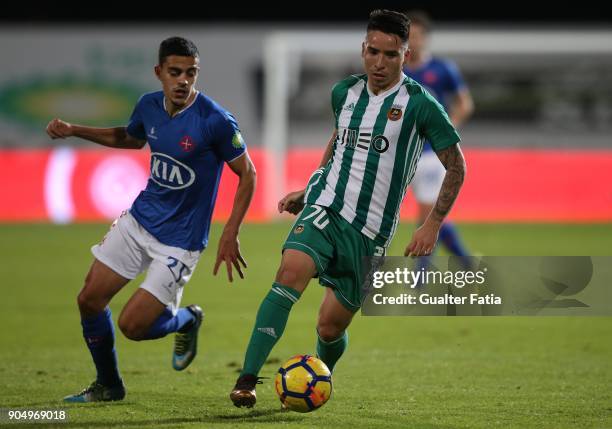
337,249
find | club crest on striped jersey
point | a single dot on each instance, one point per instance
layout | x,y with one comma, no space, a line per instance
395,113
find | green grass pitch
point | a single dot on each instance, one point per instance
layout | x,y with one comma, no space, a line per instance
410,372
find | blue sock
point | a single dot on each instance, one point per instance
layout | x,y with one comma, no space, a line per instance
99,335
168,323
449,236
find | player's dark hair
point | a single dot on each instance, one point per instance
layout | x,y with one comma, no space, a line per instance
421,18
390,22
177,46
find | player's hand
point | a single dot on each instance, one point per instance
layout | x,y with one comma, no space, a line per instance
229,252
292,203
423,240
58,129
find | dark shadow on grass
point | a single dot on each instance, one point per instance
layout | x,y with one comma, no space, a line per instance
60,405
260,416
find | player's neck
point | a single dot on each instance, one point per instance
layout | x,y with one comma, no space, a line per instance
173,109
377,91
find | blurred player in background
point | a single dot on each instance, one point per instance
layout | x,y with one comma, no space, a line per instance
350,207
442,79
166,229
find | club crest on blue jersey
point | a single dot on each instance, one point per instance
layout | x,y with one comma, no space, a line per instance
187,144
170,173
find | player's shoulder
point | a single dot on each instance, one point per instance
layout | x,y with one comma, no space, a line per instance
419,95
348,82
211,110
340,88
219,120
445,65
414,88
151,99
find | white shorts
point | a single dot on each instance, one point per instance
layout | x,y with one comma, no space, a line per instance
128,249
428,178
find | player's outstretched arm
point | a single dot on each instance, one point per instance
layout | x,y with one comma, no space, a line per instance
452,159
425,237
293,202
112,137
229,245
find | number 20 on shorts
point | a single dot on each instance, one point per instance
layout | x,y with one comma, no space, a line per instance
320,217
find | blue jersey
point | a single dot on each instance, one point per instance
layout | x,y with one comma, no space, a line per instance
187,156
441,78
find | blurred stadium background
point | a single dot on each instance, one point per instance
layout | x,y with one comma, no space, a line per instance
539,153
538,146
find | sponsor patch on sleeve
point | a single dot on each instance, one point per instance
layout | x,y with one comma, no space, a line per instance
237,140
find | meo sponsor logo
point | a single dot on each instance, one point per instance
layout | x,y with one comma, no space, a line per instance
170,173
354,138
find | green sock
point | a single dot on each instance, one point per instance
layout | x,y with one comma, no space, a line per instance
330,352
269,326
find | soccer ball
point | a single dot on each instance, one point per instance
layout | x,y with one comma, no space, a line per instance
303,383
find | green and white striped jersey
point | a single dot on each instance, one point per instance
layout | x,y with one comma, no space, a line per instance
378,144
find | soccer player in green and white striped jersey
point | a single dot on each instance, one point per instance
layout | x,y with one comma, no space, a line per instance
350,207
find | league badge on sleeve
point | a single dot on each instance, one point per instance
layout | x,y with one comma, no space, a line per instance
237,140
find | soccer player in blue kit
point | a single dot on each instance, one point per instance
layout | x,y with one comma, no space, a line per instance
166,229
442,79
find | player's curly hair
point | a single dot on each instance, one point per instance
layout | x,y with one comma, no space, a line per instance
390,22
177,46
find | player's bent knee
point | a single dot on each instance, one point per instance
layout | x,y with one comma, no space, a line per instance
286,276
89,304
291,277
132,329
328,331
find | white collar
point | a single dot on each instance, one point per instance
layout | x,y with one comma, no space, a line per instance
197,93
395,87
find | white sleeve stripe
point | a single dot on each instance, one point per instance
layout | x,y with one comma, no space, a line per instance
233,159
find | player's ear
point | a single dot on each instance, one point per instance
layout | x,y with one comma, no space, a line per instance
406,55
363,49
157,70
